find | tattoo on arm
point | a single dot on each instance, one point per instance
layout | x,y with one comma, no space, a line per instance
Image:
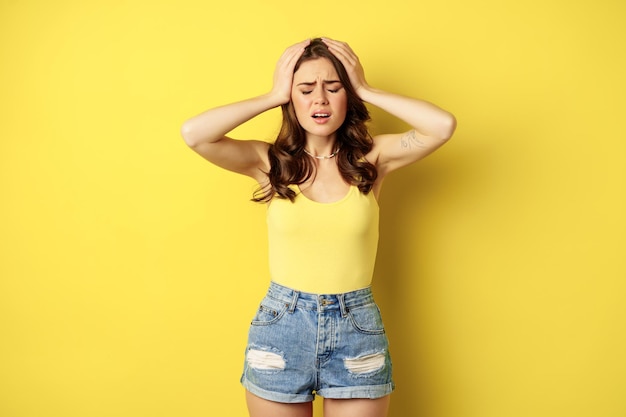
409,141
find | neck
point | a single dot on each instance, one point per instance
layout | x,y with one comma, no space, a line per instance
317,156
321,147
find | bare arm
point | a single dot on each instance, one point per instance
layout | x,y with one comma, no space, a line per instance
432,126
206,135
206,132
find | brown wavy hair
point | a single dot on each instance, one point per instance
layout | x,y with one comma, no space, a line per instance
289,164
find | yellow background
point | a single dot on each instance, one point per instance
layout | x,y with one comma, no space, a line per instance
130,267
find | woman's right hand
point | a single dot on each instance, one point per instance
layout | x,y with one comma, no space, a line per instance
283,74
206,132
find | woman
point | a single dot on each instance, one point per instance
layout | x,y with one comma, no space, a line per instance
318,330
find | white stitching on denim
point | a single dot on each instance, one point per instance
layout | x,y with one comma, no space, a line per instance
265,360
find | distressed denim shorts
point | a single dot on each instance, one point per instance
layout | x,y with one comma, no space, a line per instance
302,344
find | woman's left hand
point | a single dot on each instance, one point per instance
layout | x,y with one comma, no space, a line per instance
350,61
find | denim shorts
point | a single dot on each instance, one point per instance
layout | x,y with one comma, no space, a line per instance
302,344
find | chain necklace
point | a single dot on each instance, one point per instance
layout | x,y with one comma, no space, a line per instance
332,155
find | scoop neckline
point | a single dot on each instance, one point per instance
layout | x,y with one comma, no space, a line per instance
345,197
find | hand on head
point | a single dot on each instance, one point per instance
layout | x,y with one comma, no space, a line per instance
283,74
350,61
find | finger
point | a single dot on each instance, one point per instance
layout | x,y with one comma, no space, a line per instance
293,53
299,47
341,50
287,60
347,59
337,45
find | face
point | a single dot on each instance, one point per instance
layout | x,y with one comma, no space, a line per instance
318,98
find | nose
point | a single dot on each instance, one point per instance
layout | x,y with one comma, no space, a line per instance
320,97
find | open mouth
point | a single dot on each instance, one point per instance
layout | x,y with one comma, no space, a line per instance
321,115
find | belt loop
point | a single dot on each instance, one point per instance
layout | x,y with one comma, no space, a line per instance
294,300
342,305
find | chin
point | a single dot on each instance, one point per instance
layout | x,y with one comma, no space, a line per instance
324,133
321,130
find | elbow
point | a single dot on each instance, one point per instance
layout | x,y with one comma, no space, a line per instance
188,134
447,127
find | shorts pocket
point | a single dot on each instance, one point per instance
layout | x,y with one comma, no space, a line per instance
269,312
367,319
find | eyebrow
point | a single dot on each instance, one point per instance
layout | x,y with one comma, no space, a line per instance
315,82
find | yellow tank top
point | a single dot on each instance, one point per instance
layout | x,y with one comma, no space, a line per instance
323,248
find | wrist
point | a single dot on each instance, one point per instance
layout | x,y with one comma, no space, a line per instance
366,93
274,99
278,98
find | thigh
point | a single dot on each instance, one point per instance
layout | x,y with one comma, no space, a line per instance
358,407
260,407
280,356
